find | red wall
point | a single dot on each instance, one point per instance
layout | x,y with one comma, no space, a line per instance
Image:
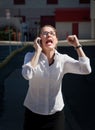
72,14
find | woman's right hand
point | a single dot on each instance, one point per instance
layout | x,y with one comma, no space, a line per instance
37,44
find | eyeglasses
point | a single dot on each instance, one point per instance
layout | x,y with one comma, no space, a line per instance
46,33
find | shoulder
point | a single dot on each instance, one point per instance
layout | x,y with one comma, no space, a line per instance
61,55
29,54
28,57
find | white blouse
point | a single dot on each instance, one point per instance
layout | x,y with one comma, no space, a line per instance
44,95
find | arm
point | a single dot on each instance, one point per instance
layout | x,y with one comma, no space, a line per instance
30,62
83,65
73,40
37,53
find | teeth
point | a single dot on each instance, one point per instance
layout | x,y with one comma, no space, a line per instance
49,41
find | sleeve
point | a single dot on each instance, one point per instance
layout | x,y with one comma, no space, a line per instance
27,69
81,66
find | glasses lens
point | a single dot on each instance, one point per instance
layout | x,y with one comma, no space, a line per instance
46,33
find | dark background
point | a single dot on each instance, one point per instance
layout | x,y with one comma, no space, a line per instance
78,90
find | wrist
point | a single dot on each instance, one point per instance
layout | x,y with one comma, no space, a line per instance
37,52
78,46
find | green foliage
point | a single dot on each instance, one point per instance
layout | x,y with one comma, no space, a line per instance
6,32
11,56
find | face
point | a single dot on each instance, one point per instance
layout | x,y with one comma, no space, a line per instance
49,38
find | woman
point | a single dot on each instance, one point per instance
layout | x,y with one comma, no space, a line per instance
45,69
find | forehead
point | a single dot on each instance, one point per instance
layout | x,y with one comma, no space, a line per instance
48,29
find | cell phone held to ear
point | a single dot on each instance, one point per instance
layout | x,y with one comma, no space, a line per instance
39,41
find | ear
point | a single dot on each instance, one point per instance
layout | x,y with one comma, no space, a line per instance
56,40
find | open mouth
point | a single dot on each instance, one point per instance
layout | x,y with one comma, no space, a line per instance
49,42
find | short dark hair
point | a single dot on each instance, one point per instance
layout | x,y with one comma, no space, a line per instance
48,26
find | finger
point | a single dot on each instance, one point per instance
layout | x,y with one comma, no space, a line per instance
38,40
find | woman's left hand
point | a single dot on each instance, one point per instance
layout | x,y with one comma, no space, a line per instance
73,40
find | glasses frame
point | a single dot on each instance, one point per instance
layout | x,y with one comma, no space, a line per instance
45,33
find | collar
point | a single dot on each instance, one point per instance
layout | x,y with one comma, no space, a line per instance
44,56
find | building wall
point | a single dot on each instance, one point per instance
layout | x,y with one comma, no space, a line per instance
33,10
92,15
34,7
85,30
92,6
43,4
64,29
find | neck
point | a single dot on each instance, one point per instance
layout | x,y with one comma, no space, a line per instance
50,56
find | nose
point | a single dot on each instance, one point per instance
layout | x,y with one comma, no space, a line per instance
48,34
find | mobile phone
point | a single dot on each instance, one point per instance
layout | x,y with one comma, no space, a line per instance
39,41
